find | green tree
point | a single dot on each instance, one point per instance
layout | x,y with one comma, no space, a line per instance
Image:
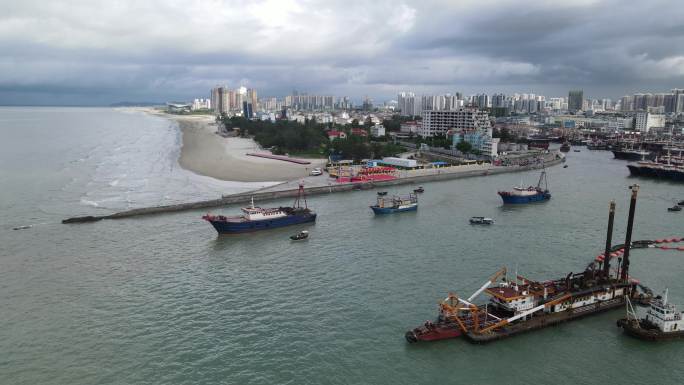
464,147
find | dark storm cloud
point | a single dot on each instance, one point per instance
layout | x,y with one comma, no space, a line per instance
84,52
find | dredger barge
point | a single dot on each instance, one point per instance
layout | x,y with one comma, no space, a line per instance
520,304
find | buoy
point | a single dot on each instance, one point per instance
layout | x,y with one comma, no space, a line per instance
680,248
659,240
665,247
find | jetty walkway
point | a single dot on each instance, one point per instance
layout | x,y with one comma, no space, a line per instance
323,186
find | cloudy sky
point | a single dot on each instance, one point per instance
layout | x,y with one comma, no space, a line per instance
99,52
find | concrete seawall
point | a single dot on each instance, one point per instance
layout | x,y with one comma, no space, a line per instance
271,195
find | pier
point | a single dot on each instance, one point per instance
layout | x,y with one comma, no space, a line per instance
285,190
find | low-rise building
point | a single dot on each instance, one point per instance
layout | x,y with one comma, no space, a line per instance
644,121
359,132
410,127
480,140
334,134
377,130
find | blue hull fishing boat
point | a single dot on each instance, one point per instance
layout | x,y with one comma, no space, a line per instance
531,194
257,218
395,204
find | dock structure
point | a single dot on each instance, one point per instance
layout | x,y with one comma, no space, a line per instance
285,191
278,157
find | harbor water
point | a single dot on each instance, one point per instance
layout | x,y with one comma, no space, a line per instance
164,300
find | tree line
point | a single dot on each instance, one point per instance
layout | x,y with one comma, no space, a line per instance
310,138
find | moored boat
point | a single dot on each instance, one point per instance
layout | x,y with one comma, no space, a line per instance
395,204
674,208
565,147
662,321
257,218
481,221
522,195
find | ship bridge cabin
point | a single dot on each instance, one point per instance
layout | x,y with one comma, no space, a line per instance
512,297
664,315
257,213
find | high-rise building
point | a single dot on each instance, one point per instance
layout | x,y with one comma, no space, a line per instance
220,99
499,101
481,100
677,104
251,95
407,104
247,110
575,100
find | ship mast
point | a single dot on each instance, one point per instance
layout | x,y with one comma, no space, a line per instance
628,237
609,239
300,195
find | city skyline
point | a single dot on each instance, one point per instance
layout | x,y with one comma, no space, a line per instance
101,53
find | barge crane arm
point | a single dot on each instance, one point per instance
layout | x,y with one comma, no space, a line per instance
524,314
487,284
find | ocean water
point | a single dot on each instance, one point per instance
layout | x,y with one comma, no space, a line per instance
164,300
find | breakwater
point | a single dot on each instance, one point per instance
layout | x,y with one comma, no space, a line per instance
261,196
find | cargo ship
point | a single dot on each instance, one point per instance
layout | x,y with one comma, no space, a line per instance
257,218
395,204
662,321
520,304
522,195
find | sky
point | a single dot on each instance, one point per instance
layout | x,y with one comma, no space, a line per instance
90,52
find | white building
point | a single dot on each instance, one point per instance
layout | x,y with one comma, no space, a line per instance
407,103
201,104
644,121
439,122
620,124
377,130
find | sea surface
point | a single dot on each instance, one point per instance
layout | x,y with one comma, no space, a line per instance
164,300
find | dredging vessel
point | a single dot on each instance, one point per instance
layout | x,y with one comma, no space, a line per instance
257,218
662,321
522,195
520,304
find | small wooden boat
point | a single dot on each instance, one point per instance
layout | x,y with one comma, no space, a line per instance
674,208
301,236
382,193
481,221
419,190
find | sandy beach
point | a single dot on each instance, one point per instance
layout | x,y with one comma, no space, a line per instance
206,153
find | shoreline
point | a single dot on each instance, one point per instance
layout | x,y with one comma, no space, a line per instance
206,153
